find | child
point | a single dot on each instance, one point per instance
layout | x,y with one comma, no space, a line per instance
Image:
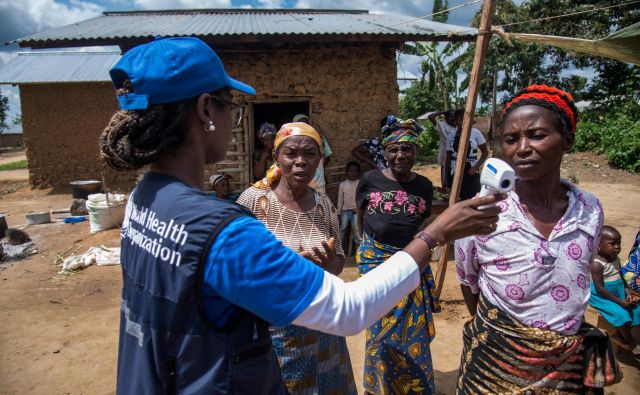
610,296
347,203
221,187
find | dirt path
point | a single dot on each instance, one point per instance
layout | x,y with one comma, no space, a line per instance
16,156
60,332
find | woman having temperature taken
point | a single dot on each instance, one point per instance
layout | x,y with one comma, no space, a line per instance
526,284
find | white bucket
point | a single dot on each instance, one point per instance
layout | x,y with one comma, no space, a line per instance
103,216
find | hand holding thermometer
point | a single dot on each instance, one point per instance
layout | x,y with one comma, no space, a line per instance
496,177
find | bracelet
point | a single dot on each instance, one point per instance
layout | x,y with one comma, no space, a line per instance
422,235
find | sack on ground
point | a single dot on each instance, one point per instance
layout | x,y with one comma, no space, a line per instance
105,215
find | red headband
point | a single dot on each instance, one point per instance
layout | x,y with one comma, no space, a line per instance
539,94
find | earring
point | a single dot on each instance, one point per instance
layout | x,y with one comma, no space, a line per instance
210,128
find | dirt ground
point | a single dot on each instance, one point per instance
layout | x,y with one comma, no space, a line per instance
59,333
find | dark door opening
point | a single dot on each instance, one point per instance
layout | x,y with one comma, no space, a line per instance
277,114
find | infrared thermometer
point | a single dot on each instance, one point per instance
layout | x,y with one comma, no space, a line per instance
496,177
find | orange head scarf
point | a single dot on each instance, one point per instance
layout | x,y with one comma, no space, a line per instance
287,130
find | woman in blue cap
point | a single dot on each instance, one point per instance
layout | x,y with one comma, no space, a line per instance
201,276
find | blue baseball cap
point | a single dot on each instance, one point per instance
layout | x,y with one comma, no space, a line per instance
168,70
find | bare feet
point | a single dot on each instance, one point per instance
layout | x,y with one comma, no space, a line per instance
619,340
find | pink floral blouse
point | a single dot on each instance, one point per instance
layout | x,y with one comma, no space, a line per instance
542,283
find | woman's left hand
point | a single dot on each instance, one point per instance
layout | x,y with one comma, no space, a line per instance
472,171
328,260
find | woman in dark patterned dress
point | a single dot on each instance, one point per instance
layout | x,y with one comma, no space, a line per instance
392,204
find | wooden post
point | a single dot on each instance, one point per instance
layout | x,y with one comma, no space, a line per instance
494,123
482,42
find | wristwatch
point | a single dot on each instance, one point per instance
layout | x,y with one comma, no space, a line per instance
422,235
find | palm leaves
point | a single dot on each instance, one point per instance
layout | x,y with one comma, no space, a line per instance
439,71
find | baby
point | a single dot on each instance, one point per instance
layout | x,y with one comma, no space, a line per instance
609,294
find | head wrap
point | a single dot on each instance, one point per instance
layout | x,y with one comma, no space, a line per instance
266,129
397,130
553,99
216,178
300,117
287,130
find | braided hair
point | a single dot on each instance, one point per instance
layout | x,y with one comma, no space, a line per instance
135,138
553,99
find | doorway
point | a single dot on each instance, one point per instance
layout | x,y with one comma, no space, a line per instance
277,113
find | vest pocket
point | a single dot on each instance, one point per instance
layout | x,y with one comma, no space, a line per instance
255,370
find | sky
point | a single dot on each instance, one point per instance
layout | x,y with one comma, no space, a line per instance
20,18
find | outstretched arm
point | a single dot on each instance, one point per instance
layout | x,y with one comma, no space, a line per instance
280,286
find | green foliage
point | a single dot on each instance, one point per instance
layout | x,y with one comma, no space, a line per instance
524,64
14,165
417,100
428,142
438,6
4,109
618,137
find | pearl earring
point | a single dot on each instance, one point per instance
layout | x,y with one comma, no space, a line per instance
211,127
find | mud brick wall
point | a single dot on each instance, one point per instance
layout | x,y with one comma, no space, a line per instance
61,125
351,87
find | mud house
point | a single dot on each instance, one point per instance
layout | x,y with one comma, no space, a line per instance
338,66
11,138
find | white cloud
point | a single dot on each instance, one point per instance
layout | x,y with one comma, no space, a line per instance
412,8
19,18
178,4
271,3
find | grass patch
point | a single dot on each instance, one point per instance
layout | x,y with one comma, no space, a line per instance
22,164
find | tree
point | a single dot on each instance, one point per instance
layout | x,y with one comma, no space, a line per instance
438,86
523,64
439,76
438,7
4,109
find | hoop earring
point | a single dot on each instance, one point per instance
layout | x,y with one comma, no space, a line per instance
210,128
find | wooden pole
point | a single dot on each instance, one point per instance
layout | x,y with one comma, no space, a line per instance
482,42
494,97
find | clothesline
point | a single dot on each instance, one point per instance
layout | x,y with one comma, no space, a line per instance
435,13
571,14
515,23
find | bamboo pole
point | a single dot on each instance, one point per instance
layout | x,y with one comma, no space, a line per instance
482,42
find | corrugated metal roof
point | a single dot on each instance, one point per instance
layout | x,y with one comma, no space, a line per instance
65,66
247,25
57,67
405,75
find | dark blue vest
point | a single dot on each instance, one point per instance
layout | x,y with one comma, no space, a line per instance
167,344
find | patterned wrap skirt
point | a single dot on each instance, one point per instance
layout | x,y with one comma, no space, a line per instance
312,362
503,356
397,356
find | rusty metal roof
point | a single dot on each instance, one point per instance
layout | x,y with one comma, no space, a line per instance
247,25
58,67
